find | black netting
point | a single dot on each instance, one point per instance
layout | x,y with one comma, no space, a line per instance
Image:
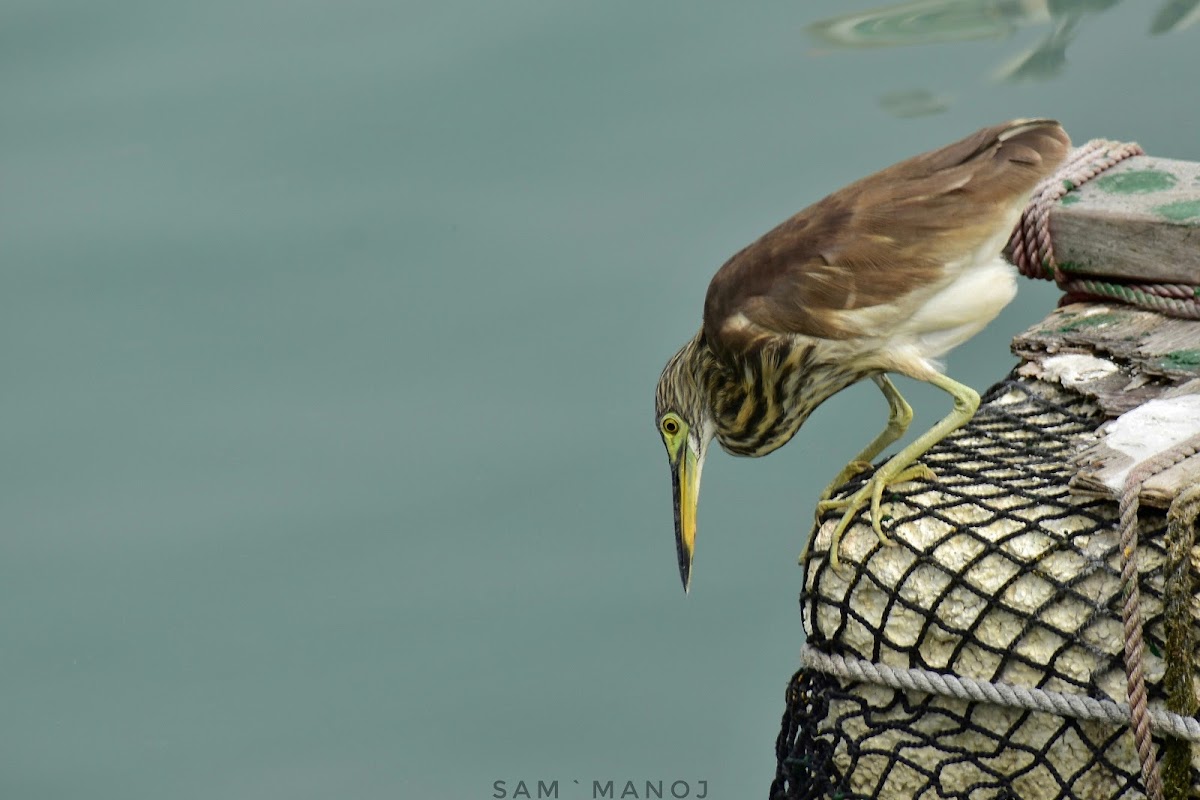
1001,574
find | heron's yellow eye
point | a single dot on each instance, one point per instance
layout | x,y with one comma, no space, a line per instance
670,426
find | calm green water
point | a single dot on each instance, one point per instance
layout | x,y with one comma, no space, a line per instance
329,338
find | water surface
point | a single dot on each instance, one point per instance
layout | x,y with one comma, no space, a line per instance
330,333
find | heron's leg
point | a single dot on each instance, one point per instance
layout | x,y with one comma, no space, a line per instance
899,416
899,467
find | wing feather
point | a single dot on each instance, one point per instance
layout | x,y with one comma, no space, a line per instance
880,239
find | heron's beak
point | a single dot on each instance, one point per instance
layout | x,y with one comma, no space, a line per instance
685,479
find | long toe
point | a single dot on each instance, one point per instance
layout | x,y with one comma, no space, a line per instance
851,505
870,495
880,483
917,472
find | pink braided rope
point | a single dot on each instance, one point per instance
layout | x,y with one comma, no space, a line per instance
1180,290
1153,296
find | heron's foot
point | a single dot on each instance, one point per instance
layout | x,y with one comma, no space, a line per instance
871,491
849,471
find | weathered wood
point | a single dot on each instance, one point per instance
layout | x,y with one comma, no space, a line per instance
1122,356
1139,220
1152,428
1127,360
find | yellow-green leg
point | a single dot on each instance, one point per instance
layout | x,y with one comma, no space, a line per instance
899,416
897,469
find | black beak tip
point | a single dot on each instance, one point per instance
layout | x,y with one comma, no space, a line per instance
685,575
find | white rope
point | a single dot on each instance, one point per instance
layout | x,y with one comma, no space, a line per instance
1001,694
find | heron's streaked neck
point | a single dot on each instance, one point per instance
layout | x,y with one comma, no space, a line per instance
759,405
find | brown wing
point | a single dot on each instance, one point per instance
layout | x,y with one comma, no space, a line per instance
878,239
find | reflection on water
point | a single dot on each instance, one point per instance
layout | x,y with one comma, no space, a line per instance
905,103
1046,59
923,22
929,22
1175,15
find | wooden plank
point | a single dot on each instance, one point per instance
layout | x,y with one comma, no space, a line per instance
1139,220
1117,355
1137,435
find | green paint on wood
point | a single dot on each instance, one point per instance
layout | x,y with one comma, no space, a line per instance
1069,199
1142,181
1093,321
1181,360
1180,210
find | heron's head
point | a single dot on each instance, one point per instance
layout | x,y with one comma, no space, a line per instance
686,426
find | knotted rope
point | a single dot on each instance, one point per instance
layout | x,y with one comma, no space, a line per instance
1032,249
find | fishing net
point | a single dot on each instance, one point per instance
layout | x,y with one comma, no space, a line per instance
1000,576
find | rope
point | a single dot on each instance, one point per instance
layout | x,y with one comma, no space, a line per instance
1131,616
1002,694
1173,299
1032,249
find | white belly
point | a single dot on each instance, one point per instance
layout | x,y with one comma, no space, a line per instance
961,309
908,339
